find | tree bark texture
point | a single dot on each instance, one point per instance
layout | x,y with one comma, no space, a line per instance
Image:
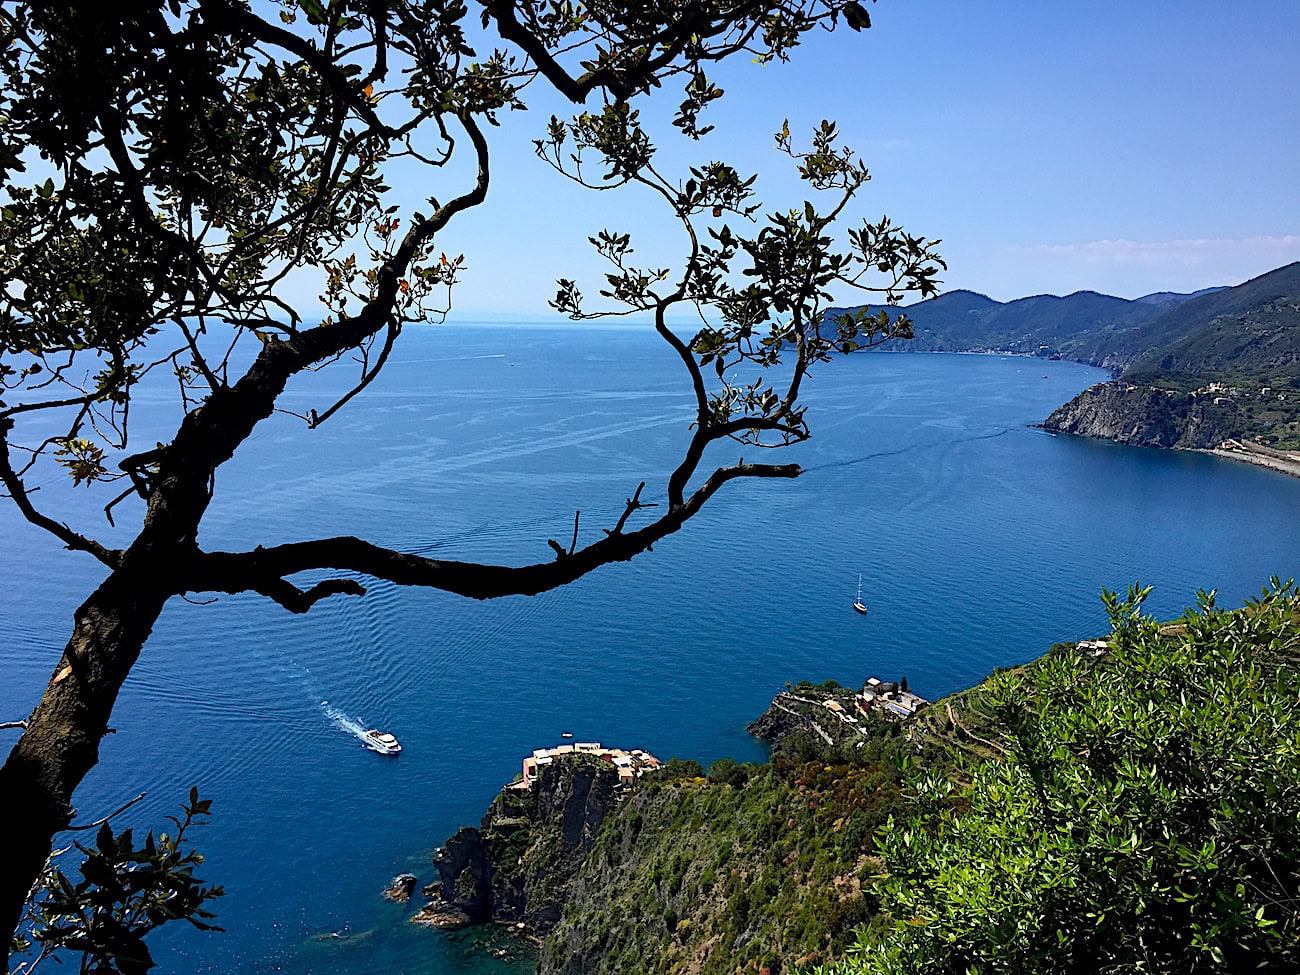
61,743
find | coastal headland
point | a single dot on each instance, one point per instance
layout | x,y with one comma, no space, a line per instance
594,854
1188,371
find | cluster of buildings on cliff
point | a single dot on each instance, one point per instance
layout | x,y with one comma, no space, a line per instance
878,698
1224,394
631,765
888,699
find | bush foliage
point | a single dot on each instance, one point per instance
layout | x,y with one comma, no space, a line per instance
1145,816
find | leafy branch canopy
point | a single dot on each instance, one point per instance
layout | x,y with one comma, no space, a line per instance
167,165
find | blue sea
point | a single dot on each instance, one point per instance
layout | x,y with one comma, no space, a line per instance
980,542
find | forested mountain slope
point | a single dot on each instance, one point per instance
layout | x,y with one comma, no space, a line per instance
1252,328
963,321
1222,366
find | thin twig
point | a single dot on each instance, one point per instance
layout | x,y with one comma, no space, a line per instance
102,820
634,503
108,508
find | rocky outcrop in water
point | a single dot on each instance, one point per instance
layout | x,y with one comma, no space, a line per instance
462,894
1147,416
401,888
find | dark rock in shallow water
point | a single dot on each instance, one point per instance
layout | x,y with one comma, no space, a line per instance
401,887
441,916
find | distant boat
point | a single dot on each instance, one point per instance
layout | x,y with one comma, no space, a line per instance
382,742
858,603
566,734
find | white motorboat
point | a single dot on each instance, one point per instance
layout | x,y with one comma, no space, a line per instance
382,742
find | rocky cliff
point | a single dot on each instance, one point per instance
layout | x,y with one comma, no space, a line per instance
518,865
1147,416
745,868
801,712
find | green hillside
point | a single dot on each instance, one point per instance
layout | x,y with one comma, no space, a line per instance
1214,332
1223,365
1144,815
1127,804
1252,328
962,321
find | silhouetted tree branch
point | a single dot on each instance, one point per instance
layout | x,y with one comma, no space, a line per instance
195,154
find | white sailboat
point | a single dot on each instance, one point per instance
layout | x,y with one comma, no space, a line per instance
858,604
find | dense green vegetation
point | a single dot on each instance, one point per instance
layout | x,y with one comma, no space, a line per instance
745,869
1145,814
1263,405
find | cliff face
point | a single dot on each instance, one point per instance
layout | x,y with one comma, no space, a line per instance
519,864
535,856
1146,416
462,894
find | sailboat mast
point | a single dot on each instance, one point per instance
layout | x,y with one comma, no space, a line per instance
857,604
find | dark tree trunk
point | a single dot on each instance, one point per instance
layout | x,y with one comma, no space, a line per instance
61,743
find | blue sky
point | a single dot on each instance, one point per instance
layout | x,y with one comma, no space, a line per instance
1054,147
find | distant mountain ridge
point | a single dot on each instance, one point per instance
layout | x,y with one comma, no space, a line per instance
1191,370
1175,297
1067,327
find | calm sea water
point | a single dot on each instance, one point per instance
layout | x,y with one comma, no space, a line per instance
980,542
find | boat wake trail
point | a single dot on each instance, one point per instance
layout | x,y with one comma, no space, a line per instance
350,725
907,449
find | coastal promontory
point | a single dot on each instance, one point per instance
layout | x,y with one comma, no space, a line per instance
1059,793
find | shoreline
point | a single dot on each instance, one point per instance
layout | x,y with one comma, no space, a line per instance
1291,468
1280,465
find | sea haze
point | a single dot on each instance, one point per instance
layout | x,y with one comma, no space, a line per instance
980,542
